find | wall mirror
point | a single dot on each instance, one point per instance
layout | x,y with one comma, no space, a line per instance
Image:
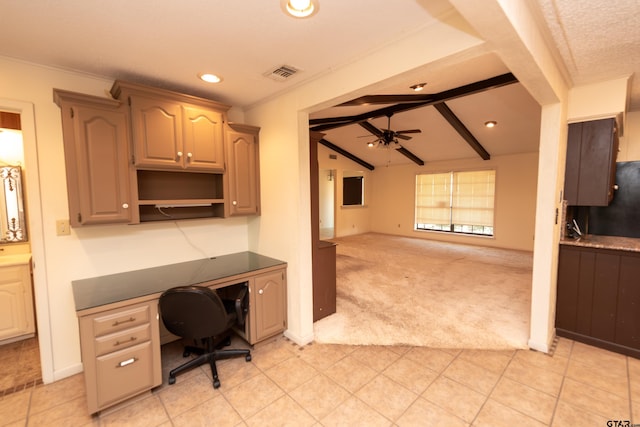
12,218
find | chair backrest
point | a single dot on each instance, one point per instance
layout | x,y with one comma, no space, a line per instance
194,312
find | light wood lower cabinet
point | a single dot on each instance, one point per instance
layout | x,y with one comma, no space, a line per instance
120,353
268,305
16,303
120,342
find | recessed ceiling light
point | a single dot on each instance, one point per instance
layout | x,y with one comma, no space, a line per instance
418,87
210,78
491,123
300,8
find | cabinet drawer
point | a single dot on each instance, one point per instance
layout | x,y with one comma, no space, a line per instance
124,373
121,340
120,320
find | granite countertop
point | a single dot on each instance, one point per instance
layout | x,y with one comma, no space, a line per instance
631,244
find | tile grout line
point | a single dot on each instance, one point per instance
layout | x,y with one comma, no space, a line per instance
564,376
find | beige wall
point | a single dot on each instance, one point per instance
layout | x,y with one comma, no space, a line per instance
393,204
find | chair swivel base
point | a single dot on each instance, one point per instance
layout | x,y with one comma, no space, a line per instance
210,358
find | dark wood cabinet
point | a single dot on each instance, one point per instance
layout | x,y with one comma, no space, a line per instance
598,298
590,171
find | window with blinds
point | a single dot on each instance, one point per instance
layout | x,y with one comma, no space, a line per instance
458,202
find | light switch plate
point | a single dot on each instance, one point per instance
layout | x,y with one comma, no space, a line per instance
62,227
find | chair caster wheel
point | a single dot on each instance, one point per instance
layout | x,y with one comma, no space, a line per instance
227,342
247,358
216,383
172,380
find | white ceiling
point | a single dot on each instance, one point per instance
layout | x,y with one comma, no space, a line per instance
168,43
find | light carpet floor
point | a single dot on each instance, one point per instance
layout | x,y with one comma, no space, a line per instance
403,291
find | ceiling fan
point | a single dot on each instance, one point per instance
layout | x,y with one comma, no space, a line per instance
387,137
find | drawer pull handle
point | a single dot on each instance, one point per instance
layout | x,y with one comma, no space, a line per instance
127,362
117,343
120,322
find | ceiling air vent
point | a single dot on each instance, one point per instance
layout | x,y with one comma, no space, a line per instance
282,73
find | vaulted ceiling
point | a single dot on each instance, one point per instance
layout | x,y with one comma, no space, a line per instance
168,43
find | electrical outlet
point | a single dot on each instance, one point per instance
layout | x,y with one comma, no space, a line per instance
62,227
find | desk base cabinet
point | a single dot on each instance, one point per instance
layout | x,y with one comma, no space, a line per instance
120,353
120,341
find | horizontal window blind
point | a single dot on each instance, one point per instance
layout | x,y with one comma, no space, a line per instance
456,201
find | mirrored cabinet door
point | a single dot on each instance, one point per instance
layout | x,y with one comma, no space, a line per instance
12,218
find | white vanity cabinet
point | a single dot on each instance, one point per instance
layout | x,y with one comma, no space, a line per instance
17,320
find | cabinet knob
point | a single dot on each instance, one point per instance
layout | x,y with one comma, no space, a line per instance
125,206
179,153
261,291
234,203
189,155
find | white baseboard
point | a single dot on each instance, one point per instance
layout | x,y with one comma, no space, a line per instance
300,340
67,372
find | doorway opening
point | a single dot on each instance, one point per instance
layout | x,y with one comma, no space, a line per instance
327,190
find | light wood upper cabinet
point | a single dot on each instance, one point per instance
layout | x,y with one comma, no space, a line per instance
203,138
156,132
96,148
243,173
172,130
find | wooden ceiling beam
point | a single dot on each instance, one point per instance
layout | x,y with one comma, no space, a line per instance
462,130
347,154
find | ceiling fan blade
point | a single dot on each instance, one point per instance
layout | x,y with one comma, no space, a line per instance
406,138
409,131
408,154
371,128
387,99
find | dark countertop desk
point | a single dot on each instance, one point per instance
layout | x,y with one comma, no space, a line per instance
98,291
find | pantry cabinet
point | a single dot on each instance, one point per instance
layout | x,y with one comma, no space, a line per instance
96,148
592,148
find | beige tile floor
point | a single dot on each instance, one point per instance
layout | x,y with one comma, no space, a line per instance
334,385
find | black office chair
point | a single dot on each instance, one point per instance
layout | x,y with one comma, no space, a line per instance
198,313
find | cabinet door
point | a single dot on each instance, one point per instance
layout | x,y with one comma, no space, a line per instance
102,169
157,133
243,174
268,302
628,323
590,166
203,139
16,304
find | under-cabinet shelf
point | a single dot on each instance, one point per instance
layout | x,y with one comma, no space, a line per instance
180,203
